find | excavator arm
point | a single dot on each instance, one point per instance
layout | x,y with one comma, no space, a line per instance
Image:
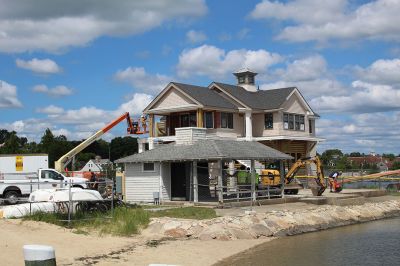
320,180
133,128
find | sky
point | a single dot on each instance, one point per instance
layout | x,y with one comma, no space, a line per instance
73,66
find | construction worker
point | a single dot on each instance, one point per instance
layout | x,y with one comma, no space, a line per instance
93,179
332,179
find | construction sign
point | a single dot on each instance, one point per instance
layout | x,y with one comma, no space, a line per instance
19,163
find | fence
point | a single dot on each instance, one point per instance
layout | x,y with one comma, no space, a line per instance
63,197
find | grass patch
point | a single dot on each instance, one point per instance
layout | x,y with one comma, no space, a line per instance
198,213
124,222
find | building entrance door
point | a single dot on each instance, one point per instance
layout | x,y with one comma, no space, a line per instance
178,181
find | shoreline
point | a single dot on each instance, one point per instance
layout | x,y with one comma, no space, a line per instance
178,242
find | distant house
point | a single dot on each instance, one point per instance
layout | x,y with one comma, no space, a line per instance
95,165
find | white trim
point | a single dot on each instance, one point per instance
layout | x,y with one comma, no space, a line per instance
188,107
300,96
281,137
164,91
149,171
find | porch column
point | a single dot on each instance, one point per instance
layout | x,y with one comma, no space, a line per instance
253,180
151,125
220,183
199,118
160,189
282,176
195,183
249,125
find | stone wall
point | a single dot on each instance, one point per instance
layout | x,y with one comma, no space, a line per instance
275,223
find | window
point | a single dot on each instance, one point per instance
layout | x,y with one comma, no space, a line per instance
310,129
269,121
250,79
47,174
189,120
241,80
208,120
293,122
285,121
148,167
226,120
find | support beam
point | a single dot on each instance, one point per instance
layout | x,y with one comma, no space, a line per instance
253,180
220,183
195,183
151,125
282,173
200,118
249,126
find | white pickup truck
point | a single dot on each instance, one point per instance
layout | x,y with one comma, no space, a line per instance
15,186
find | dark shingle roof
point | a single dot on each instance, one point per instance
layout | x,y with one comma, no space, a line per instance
207,150
262,99
205,96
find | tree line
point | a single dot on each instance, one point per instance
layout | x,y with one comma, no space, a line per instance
57,146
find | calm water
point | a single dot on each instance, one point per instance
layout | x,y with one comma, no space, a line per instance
373,243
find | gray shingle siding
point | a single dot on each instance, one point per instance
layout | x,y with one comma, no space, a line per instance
207,150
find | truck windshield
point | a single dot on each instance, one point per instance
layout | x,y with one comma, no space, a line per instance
48,174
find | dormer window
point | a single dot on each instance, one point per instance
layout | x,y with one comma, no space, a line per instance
241,80
250,79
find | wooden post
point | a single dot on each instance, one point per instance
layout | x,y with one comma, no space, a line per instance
151,125
195,183
220,183
282,174
253,180
200,118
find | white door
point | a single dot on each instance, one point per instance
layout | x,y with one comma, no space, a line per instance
50,179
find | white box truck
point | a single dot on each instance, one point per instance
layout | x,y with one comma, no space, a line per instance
22,174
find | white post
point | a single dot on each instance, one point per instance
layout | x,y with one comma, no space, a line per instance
195,183
39,255
249,126
220,183
253,180
282,173
160,188
151,143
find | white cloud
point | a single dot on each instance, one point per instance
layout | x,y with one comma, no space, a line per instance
42,66
135,105
50,110
8,96
53,26
193,36
381,71
309,74
333,19
57,91
140,79
364,98
214,62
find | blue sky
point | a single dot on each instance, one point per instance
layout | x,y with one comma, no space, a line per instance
72,66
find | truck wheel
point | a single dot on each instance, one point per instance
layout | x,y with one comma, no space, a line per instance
11,197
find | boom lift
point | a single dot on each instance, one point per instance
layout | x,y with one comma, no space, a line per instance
134,128
271,177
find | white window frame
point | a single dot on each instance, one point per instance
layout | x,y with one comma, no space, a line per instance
149,171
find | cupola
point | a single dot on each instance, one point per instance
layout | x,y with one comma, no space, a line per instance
245,79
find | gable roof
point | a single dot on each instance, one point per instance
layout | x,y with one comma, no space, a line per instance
208,150
262,99
205,96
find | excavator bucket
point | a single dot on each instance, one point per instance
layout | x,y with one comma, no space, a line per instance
317,191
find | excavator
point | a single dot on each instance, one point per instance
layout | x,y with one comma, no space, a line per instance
134,128
271,177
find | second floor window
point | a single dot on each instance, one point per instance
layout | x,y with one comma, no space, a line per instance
208,120
293,122
269,121
226,120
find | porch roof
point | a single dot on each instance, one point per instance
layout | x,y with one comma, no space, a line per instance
208,150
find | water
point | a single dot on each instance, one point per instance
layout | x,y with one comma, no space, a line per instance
373,243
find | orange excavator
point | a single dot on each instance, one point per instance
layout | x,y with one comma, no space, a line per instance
137,127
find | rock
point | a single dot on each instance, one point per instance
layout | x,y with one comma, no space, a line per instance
176,233
206,236
171,225
240,234
155,228
260,230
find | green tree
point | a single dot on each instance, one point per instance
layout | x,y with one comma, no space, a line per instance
395,166
331,155
122,147
355,154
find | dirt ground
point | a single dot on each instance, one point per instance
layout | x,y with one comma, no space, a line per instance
77,249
